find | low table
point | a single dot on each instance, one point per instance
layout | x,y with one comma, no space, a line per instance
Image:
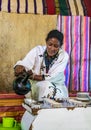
63,119
50,115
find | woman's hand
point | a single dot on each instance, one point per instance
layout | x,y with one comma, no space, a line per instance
30,72
19,70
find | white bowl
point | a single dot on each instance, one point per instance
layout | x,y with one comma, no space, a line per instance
83,96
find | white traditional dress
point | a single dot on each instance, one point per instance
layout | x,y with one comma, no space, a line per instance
54,78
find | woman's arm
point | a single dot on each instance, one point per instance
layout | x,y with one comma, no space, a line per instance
37,77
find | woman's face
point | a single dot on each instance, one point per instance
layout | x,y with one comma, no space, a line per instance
53,46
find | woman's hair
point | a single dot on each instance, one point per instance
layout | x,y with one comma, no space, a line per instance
55,34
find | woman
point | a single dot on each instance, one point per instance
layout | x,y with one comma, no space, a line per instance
46,65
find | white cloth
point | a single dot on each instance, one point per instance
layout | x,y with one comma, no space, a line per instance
63,119
46,88
34,60
27,120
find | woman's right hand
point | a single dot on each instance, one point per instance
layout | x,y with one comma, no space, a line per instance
19,70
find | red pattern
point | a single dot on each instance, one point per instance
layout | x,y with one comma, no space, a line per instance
50,6
88,7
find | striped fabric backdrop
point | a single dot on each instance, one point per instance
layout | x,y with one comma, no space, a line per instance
63,7
76,30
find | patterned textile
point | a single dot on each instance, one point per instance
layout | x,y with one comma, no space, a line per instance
87,7
11,106
63,7
76,31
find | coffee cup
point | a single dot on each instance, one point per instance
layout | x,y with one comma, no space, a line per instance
9,122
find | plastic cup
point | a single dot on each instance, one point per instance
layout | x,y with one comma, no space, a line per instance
9,122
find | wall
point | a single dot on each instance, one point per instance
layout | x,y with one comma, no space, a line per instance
18,34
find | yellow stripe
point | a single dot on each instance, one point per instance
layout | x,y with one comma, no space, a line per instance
11,102
80,8
19,113
57,11
30,6
39,6
22,6
56,3
4,5
57,7
13,5
72,7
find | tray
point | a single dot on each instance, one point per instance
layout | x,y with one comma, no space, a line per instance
10,128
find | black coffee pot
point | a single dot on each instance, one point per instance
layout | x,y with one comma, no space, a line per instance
22,85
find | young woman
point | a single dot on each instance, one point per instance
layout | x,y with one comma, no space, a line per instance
46,65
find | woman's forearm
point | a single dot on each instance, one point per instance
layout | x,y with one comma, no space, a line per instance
37,77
